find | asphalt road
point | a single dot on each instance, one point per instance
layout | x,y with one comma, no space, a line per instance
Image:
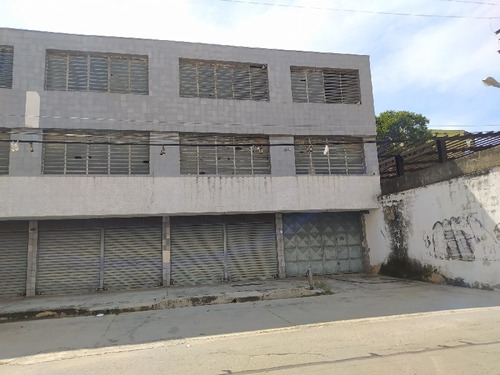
403,328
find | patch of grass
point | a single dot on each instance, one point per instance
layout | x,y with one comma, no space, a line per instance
323,286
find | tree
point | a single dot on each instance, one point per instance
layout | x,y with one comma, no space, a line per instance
399,126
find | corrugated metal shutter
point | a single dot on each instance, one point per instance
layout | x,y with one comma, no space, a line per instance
4,153
251,251
197,254
342,156
132,258
68,260
6,63
13,260
328,243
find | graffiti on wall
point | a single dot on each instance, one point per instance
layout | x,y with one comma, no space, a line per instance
465,239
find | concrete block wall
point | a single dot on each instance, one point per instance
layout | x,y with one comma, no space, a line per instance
447,231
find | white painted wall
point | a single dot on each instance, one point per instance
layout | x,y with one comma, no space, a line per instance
453,226
114,196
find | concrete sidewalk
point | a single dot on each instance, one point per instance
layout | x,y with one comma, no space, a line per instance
39,307
350,287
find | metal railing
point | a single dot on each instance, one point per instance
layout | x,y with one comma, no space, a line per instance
426,153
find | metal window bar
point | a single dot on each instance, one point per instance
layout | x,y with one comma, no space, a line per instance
223,80
95,152
6,65
97,72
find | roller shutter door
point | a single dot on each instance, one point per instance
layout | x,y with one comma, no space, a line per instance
197,254
68,261
132,258
13,260
251,251
328,243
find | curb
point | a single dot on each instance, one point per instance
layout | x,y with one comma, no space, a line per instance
168,303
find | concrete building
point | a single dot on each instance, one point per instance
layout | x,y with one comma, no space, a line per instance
128,163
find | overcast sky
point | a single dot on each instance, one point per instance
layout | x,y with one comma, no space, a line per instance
427,56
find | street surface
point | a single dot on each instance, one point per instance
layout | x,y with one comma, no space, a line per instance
392,328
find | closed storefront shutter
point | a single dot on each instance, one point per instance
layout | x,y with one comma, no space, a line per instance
328,243
251,251
13,258
211,249
68,260
197,254
132,258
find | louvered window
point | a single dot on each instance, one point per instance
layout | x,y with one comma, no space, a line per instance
6,62
323,155
221,80
224,155
310,85
95,153
4,153
80,71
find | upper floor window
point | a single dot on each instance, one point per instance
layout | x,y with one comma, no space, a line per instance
224,155
6,62
95,152
329,155
223,80
98,72
4,152
312,85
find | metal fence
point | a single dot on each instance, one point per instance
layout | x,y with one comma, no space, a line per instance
437,150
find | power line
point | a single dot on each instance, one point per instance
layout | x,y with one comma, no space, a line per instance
470,2
177,122
358,10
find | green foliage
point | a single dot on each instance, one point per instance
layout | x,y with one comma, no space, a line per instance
401,126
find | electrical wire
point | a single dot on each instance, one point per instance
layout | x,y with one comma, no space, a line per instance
358,10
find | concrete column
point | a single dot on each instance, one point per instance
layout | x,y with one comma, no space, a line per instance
28,160
280,246
165,250
164,156
282,156
371,158
32,258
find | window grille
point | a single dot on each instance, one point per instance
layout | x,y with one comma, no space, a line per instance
6,63
80,71
4,153
334,155
224,155
223,80
95,153
311,85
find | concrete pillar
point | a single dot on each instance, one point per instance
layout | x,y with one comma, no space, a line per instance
371,158
164,156
280,246
28,160
282,156
32,258
165,250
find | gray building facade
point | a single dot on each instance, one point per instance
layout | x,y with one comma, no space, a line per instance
130,163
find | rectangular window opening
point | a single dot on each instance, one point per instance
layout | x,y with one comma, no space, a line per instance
223,80
323,85
96,72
